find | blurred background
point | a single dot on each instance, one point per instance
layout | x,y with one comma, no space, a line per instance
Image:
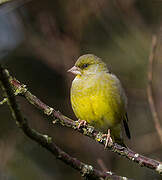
40,41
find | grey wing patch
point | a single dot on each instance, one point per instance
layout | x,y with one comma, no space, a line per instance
121,90
124,99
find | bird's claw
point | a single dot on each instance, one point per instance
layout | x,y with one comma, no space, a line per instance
81,123
109,140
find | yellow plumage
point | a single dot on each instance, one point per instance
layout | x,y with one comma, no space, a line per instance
97,96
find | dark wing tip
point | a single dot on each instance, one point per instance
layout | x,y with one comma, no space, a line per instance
126,127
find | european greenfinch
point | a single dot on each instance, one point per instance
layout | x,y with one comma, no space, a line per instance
98,98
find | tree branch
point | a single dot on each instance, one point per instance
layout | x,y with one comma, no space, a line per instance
20,89
47,142
149,89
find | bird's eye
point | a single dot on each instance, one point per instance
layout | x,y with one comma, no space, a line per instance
85,65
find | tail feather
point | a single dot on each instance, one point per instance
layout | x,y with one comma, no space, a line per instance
125,122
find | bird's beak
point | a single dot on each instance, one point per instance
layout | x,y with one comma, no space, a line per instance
75,70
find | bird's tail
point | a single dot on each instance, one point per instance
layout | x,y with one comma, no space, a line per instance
125,122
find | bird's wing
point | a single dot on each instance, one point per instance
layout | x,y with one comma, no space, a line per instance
120,102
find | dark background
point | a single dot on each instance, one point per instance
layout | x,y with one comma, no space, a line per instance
40,41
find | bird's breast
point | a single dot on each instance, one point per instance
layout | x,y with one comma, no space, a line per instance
96,100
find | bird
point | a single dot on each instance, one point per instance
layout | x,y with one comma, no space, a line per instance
98,98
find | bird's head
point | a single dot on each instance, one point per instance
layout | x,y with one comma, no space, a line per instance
88,64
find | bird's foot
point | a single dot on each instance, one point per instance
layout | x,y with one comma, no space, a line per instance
81,123
109,140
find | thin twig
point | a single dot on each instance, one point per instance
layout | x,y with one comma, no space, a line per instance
149,88
86,130
47,142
